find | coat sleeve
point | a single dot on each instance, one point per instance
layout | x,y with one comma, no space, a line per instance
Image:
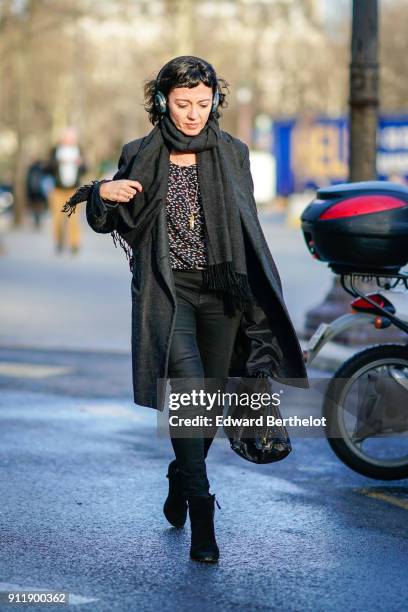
102,216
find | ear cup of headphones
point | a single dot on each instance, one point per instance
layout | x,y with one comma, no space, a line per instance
216,101
160,102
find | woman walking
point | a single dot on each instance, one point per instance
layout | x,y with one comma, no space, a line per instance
206,295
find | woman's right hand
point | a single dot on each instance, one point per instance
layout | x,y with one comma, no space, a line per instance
122,190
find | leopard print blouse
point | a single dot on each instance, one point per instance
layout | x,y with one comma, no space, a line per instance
187,246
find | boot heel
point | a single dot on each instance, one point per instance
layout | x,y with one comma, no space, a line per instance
175,506
203,543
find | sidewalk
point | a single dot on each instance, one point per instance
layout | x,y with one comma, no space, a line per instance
73,300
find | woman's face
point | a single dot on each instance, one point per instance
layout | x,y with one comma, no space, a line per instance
189,108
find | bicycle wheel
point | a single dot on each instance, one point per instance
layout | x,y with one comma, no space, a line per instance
366,410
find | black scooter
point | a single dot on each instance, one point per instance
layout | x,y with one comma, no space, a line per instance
361,230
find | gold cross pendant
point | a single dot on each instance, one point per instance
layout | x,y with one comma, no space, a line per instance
191,220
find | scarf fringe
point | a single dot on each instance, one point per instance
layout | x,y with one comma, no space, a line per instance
118,239
80,195
231,286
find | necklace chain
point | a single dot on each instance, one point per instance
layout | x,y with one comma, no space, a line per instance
191,217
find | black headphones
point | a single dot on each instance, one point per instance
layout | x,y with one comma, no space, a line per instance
161,103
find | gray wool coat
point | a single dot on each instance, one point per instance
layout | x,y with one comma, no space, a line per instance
265,342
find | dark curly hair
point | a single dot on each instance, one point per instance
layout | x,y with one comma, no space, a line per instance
184,71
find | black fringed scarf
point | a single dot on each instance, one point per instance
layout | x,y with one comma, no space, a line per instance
227,272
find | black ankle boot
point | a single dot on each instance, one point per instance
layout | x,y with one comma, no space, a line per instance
175,506
203,544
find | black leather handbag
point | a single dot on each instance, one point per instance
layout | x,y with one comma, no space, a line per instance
258,443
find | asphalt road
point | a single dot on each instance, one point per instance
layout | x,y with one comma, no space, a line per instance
82,471
82,486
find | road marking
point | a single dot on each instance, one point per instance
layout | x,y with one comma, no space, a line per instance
74,600
30,370
387,497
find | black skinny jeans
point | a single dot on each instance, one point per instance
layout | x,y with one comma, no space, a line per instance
201,348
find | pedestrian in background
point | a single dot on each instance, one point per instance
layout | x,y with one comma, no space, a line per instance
66,166
37,186
207,298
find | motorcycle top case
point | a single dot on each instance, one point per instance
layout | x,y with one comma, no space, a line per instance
359,226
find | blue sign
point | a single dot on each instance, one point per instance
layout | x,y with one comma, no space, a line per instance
313,152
